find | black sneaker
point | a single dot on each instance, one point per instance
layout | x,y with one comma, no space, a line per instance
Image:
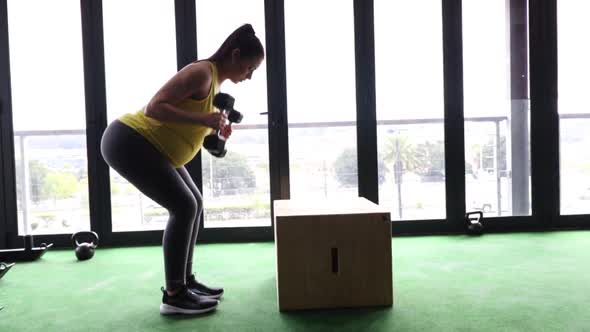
202,290
186,302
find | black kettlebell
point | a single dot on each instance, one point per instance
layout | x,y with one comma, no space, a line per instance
473,223
85,250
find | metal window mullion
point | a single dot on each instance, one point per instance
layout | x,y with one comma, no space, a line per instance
278,131
96,117
8,213
366,126
544,115
454,125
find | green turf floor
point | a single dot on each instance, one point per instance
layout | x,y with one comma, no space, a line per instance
502,282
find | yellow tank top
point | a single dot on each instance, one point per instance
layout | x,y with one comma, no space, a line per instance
180,142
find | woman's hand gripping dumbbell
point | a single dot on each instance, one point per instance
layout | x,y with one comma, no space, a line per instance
215,143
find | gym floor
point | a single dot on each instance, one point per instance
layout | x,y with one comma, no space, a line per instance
499,282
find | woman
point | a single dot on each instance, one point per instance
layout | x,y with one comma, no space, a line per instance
149,148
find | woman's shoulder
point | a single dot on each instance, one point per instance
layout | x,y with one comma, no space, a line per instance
201,65
199,75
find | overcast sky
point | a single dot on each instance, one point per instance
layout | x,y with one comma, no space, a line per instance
47,68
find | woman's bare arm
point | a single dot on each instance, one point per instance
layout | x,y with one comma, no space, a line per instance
194,79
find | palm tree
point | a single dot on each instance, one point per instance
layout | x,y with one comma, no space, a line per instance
401,154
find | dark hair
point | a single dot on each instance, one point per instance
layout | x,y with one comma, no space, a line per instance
243,38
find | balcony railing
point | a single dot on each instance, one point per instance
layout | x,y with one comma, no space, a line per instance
22,136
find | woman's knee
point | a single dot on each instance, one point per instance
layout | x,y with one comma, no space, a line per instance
199,200
186,208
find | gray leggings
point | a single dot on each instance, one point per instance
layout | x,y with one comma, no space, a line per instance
138,161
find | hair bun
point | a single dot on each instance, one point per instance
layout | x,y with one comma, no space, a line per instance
248,29
243,38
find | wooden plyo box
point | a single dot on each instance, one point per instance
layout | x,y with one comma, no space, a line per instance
332,254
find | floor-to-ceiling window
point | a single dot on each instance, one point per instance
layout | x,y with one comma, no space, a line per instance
236,188
48,110
319,39
140,56
574,107
496,107
410,108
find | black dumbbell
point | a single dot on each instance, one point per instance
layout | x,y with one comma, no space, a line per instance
215,143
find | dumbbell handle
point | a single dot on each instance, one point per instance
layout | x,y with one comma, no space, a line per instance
234,117
218,131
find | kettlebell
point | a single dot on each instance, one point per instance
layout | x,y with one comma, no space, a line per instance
85,250
473,223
